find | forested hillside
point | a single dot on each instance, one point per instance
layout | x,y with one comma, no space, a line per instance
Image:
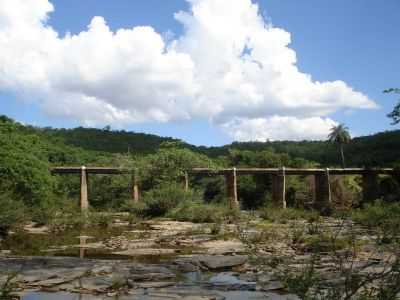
368,151
27,153
378,150
113,141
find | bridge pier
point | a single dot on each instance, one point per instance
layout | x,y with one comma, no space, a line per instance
323,197
279,189
231,189
135,188
186,184
84,202
370,186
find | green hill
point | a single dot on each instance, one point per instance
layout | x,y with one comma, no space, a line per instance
377,150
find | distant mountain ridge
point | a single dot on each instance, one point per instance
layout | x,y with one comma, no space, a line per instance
381,149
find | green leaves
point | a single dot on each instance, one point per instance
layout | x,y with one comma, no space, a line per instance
339,134
395,114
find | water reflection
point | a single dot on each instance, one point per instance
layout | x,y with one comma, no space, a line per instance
59,296
82,245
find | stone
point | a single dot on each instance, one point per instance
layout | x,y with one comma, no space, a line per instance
219,247
151,284
216,262
183,294
140,273
229,282
145,251
94,284
272,286
101,270
185,266
34,229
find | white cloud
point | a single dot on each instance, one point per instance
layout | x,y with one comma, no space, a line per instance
229,66
278,128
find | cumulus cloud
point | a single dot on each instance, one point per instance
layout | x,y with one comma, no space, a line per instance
229,66
278,128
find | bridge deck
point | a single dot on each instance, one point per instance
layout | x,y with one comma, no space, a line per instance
292,171
239,171
89,170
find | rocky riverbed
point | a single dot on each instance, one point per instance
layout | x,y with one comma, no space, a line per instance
179,260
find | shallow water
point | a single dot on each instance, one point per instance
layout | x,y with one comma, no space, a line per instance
67,244
58,244
233,295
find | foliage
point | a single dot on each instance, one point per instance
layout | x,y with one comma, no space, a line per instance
395,114
161,200
382,217
198,212
9,287
169,164
27,153
301,283
254,190
340,135
12,213
280,215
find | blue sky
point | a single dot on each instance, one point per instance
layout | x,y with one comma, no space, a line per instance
353,41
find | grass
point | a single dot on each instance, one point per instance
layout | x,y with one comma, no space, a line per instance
283,216
383,218
8,288
198,212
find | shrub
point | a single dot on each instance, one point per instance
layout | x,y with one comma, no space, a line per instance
326,242
382,217
12,213
60,216
9,287
100,219
280,215
136,209
197,212
161,200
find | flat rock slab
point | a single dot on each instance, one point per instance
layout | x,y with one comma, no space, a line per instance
216,262
152,284
220,247
146,251
139,273
94,284
174,294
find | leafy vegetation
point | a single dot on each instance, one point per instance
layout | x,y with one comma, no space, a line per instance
198,212
340,135
395,114
159,165
382,217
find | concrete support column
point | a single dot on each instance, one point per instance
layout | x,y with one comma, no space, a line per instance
370,186
323,196
186,183
279,189
84,203
135,188
231,189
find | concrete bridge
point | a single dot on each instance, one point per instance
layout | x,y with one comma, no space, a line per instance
321,176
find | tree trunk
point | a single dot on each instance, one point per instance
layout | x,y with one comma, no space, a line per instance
342,155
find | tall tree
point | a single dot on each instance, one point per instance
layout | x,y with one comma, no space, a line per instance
395,114
340,135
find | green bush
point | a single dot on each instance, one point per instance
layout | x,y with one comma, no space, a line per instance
12,213
138,209
280,215
161,200
63,214
382,217
197,212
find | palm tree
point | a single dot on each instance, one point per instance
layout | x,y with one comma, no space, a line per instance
340,135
